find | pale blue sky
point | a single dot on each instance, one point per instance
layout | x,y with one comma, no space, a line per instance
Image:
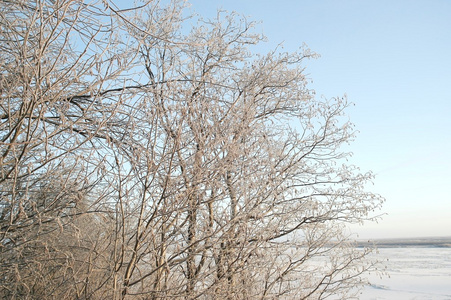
393,60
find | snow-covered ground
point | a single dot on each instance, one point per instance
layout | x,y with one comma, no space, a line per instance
414,273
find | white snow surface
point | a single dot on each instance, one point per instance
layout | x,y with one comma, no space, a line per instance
414,273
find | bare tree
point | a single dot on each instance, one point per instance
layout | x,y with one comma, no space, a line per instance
146,157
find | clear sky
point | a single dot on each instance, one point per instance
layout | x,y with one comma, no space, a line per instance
393,60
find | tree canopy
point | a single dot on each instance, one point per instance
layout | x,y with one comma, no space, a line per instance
146,154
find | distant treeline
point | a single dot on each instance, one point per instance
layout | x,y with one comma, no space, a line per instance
434,242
